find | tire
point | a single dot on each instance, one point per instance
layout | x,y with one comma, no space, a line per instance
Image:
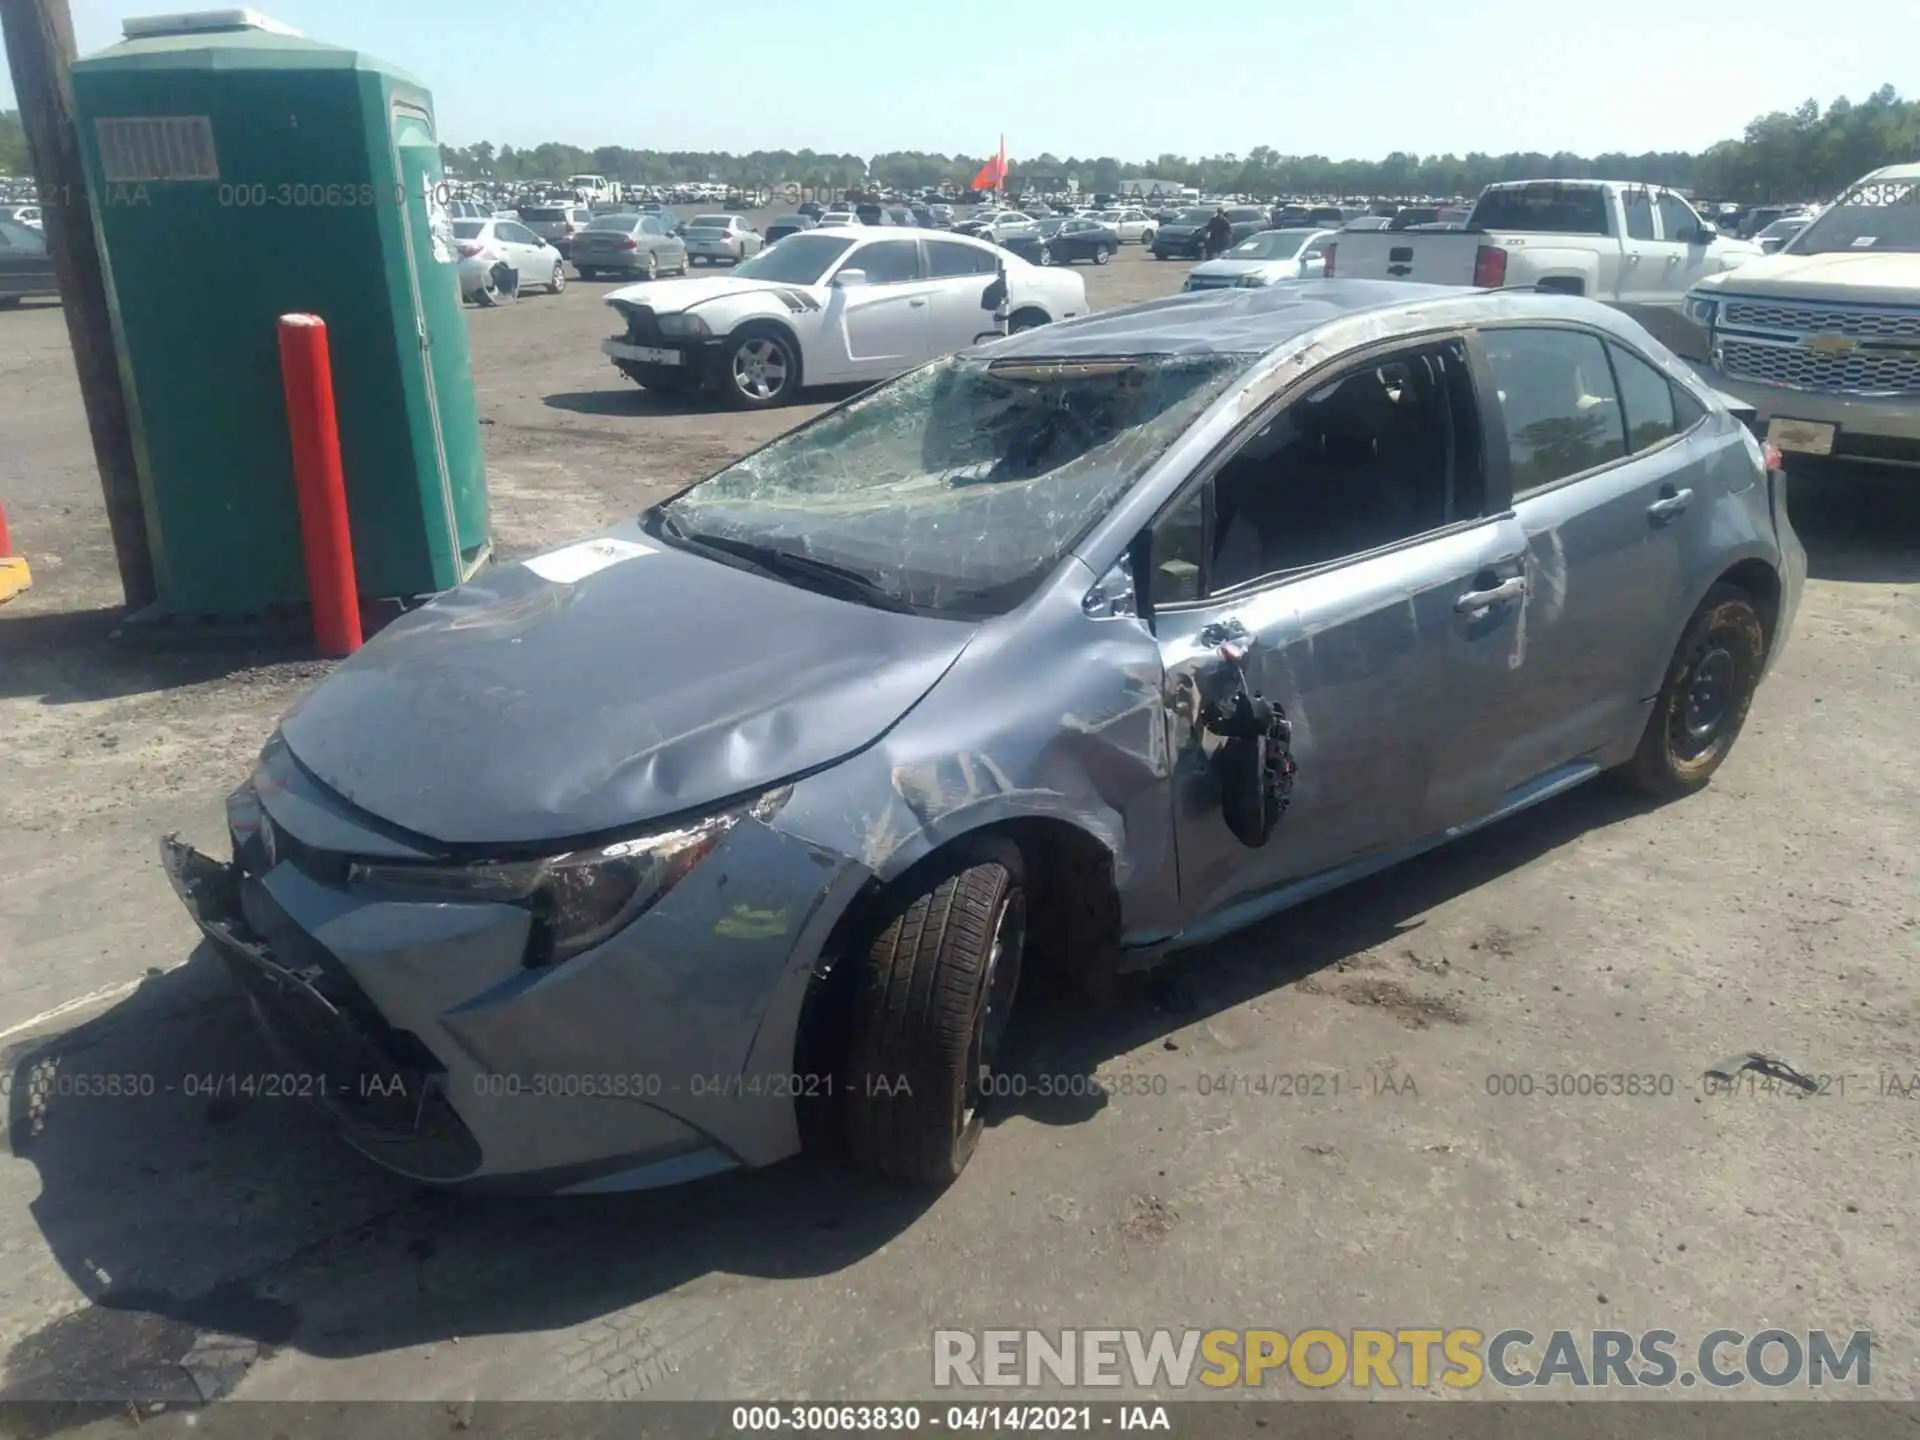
1026,320
762,368
586,272
651,270
1102,255
559,280
493,292
933,994
1704,700
11,302
1146,238
1046,257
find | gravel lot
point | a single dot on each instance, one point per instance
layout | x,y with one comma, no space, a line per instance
1775,912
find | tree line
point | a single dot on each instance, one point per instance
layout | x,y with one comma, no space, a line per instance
1788,155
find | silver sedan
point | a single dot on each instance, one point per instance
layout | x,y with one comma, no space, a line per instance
1070,651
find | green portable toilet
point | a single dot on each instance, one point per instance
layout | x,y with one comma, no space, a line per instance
239,171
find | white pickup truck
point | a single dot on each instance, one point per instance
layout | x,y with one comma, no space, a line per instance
1639,247
1822,338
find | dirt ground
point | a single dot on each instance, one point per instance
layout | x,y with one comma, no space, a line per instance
153,1242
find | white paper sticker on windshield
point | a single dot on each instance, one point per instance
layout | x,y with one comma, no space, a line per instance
1860,242
574,563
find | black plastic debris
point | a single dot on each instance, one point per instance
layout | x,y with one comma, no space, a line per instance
1770,1066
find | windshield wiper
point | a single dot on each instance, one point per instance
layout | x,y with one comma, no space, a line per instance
782,564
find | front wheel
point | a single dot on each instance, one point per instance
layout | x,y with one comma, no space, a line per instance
1102,255
762,369
935,989
558,281
1704,701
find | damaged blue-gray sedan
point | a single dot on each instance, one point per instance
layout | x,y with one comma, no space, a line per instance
648,857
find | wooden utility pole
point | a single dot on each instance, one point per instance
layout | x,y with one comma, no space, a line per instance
40,52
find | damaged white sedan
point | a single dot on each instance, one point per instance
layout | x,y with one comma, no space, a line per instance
830,308
739,824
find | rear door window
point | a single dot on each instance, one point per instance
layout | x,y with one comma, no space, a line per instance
1646,399
947,259
1558,400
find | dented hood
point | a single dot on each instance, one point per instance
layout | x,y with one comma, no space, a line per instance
1861,275
670,297
604,686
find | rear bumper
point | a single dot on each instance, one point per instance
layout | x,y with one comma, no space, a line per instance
1871,430
632,262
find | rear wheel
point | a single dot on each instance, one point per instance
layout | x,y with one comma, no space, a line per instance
935,989
652,268
1704,701
586,272
1026,320
1146,238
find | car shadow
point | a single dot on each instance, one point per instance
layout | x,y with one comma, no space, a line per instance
78,657
1061,1036
1858,525
256,1228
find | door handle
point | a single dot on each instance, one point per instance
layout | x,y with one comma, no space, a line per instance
1511,589
1668,506
916,303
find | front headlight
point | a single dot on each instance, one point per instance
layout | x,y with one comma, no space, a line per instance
1702,310
688,327
578,899
1253,280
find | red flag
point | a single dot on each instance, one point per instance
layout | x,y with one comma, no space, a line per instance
993,174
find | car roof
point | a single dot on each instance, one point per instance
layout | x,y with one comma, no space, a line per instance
1254,321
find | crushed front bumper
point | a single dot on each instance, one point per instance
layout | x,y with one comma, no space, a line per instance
436,1049
382,1095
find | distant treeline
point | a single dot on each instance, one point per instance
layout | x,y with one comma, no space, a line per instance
1788,155
1802,154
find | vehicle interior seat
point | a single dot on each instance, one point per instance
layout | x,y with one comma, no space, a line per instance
1358,465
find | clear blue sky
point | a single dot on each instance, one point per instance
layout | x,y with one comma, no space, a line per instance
1129,78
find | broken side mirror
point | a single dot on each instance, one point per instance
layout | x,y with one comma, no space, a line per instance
1255,766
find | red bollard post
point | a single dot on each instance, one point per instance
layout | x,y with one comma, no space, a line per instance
320,484
6,540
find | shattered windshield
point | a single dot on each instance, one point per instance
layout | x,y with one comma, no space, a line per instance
1881,217
797,260
960,486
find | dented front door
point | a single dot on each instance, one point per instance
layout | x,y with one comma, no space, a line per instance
1389,669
